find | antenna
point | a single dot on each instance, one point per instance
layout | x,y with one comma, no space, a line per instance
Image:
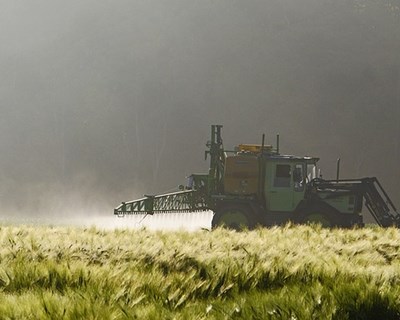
263,143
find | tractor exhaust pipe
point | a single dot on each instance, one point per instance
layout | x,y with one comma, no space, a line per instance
277,143
337,169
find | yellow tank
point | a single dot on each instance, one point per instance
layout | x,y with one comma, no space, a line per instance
241,174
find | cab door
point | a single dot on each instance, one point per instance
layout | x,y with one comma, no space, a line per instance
284,186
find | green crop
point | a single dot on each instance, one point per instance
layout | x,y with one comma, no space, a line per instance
291,272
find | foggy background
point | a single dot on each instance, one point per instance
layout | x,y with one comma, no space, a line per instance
104,101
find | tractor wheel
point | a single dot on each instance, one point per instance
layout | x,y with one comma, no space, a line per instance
320,215
234,217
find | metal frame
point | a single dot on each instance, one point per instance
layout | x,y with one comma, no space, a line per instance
181,201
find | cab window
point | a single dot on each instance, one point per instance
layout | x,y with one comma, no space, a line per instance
311,171
298,177
282,176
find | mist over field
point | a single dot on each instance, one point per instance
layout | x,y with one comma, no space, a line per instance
104,101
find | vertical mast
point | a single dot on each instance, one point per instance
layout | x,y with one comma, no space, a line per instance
217,160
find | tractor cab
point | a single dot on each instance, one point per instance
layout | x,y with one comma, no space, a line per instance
285,181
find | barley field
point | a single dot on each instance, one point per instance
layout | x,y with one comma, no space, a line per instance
291,272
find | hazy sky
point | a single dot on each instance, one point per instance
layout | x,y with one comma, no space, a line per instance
103,101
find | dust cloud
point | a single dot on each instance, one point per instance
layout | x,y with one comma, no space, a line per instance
102,102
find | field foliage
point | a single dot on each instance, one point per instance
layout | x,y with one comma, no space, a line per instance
292,272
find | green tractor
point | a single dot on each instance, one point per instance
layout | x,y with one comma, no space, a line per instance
256,185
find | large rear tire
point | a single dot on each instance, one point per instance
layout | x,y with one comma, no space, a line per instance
237,217
318,218
326,217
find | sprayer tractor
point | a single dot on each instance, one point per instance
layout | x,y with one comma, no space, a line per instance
255,184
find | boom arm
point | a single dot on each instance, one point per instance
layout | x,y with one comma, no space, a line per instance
198,198
181,201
